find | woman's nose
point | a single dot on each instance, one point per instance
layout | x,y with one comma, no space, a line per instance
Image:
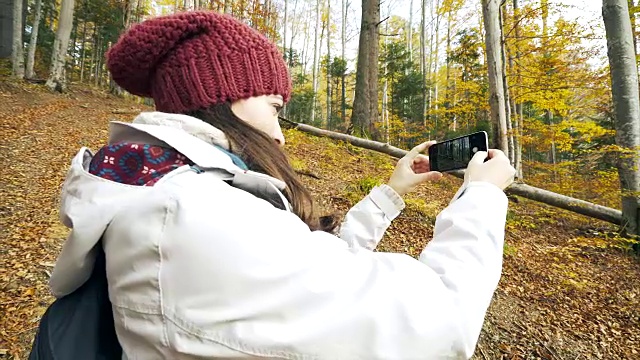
279,136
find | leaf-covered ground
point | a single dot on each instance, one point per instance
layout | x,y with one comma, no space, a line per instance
567,291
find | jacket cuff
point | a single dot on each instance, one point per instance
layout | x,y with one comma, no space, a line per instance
387,200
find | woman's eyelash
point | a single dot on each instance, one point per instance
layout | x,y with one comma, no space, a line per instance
278,107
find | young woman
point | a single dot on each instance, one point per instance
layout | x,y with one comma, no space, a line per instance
213,248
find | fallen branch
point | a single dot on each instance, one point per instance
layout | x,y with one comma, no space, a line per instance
544,196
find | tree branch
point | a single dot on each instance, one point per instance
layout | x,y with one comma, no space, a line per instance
540,195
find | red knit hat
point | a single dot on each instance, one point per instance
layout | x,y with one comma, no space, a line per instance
192,60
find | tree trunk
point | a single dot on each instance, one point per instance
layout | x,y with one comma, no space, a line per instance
544,196
435,70
328,121
17,45
284,27
426,95
314,71
626,103
447,88
94,43
227,6
490,14
505,83
57,79
33,43
385,88
365,103
84,41
410,31
519,117
344,37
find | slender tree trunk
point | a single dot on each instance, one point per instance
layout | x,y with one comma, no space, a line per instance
626,103
435,70
33,43
68,66
328,121
84,41
365,103
316,54
17,46
505,83
284,27
284,44
227,6
305,45
385,89
410,31
491,16
60,47
447,88
94,43
344,37
426,93
294,32
519,118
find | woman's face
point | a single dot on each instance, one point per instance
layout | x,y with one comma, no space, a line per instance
261,112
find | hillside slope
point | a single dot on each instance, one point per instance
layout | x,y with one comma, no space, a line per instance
568,290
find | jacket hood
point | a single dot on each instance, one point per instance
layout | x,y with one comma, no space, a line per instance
89,203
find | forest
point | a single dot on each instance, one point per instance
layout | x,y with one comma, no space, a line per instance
553,82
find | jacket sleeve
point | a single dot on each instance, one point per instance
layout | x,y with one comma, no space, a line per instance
255,279
365,223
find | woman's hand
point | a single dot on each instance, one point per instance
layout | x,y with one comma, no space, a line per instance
497,170
412,170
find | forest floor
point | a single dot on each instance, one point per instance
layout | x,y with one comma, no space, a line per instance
569,290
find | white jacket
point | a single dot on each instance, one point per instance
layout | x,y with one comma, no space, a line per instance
199,269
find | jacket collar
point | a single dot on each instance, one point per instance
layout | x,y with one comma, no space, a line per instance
202,143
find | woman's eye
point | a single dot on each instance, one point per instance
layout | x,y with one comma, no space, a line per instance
277,107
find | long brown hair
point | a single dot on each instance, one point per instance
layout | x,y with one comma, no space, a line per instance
263,155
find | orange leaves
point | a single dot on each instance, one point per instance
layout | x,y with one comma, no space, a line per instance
40,134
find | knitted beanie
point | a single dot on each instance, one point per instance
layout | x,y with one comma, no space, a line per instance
192,60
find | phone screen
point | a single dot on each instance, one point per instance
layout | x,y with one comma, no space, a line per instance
456,153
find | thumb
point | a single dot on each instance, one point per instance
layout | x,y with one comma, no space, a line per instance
429,176
478,158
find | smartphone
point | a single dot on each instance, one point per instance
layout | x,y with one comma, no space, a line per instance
454,154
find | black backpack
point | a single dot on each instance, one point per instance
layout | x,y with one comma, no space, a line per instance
80,325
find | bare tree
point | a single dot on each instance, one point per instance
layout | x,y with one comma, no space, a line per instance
17,51
626,103
434,75
519,115
423,67
505,84
316,55
57,79
365,103
31,54
345,5
410,30
328,62
491,16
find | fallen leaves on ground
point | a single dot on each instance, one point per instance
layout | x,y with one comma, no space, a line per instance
566,291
